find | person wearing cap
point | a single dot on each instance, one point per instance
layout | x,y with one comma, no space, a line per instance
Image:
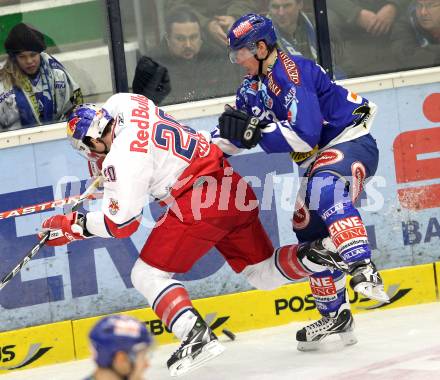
120,345
35,88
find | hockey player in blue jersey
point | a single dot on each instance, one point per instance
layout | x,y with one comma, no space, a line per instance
121,346
289,104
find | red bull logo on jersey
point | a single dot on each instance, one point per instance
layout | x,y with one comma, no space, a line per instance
71,126
113,206
242,29
141,117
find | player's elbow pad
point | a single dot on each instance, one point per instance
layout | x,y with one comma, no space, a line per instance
124,230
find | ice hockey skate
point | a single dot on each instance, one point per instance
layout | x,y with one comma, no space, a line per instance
367,281
199,346
309,337
321,252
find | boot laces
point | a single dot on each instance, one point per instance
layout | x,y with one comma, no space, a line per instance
320,324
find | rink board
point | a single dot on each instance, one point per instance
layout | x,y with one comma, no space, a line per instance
36,346
64,341
93,277
437,278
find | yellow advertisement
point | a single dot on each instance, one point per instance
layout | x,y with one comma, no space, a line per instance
36,346
82,327
405,286
437,279
260,309
238,312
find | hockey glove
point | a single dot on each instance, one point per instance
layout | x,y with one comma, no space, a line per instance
64,229
238,125
95,167
151,80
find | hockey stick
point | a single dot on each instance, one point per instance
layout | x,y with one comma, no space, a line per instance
46,206
95,184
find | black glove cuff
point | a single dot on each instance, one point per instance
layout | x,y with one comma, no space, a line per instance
252,133
82,221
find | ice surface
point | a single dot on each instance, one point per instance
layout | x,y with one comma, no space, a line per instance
401,344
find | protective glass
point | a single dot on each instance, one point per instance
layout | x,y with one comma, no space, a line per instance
241,55
428,5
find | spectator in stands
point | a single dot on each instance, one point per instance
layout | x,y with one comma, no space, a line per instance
120,346
366,27
195,72
34,87
416,37
296,33
216,17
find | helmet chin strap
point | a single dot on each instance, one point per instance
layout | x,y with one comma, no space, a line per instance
261,61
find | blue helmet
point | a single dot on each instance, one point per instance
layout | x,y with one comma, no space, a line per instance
249,29
86,120
118,333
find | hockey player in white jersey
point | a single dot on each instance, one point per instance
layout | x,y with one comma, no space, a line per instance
148,153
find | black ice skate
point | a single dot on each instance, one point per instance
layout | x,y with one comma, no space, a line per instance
321,253
310,336
199,346
367,281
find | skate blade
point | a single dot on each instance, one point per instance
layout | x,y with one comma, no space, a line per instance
188,364
348,338
308,346
376,293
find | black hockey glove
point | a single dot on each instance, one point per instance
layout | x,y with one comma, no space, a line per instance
151,80
238,125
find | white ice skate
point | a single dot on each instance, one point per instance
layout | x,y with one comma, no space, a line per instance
200,346
309,337
367,281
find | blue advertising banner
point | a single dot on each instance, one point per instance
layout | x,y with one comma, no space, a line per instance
92,277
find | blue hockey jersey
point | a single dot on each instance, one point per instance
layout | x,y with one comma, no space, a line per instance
305,110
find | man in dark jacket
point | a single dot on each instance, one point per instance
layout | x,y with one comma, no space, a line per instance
366,26
196,71
416,37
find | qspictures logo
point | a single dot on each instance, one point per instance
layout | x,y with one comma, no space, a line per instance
9,352
297,303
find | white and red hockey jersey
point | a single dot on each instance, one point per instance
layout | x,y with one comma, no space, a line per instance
151,155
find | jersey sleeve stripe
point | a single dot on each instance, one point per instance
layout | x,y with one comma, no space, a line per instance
296,142
122,230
